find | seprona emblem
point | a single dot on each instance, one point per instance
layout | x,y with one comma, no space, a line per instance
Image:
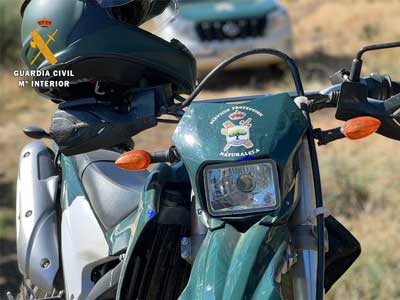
239,134
237,130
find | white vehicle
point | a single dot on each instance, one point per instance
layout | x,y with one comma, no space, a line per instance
215,30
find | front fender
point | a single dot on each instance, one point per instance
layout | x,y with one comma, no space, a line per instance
236,266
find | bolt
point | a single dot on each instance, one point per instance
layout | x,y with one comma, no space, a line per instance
28,213
45,263
26,154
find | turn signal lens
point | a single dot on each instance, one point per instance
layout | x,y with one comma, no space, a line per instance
361,127
134,160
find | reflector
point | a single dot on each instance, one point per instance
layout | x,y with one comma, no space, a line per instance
134,160
360,127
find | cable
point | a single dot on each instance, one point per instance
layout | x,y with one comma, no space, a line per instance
319,203
292,65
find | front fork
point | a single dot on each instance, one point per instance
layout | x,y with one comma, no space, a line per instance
303,272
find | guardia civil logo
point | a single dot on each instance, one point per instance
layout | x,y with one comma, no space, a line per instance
39,43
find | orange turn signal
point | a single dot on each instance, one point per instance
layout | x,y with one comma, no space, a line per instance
361,127
134,160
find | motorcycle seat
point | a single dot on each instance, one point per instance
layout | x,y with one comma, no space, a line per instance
113,193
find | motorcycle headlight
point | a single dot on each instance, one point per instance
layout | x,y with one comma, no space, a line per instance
241,188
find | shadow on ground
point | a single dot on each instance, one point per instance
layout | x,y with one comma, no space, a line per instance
315,67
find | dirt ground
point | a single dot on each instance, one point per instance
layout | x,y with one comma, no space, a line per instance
360,179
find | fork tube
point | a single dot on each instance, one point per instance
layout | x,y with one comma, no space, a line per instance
305,270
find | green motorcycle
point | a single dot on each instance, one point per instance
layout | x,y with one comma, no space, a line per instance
233,210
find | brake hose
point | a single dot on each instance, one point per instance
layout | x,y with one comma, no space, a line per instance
293,69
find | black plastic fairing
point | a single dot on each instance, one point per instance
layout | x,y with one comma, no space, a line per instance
88,126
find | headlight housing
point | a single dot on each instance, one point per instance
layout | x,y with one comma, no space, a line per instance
242,188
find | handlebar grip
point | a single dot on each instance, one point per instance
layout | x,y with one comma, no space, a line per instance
171,155
379,87
159,156
395,87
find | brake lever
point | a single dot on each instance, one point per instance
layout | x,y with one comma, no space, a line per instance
325,137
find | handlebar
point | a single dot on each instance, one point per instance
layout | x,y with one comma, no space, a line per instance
376,96
378,88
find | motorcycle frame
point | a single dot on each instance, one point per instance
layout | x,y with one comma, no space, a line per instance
306,257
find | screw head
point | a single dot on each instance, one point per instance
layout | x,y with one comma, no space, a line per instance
28,213
45,263
26,154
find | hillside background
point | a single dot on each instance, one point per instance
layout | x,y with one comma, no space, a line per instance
360,179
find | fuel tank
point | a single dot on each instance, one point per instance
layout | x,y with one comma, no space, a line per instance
36,220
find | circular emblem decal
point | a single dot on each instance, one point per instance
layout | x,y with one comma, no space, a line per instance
231,29
236,123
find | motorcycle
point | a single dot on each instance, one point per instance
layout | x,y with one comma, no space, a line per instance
233,210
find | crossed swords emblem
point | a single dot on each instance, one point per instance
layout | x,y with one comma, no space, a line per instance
43,47
228,125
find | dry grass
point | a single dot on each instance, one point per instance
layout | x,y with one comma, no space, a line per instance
341,27
360,185
360,179
19,108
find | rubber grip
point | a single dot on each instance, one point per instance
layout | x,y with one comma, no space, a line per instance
395,88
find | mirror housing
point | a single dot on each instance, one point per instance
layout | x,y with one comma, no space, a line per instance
36,133
356,66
